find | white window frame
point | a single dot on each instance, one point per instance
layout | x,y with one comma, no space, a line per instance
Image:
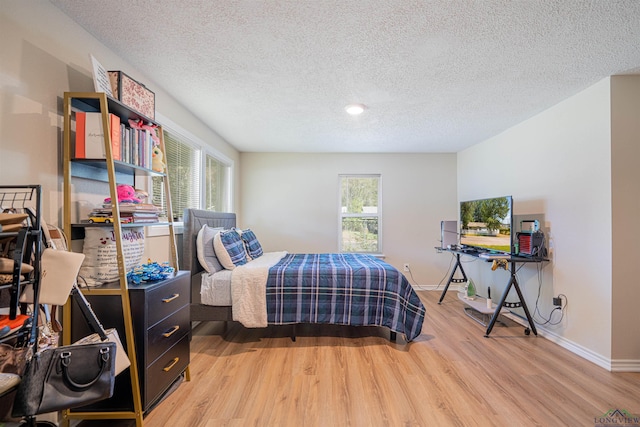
342,215
204,149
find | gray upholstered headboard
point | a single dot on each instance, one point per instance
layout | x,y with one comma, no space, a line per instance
194,219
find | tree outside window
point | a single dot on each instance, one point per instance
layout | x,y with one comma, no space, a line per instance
360,214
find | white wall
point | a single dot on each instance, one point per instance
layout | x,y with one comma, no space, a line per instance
291,202
45,54
558,163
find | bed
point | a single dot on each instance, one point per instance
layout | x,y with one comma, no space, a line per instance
279,288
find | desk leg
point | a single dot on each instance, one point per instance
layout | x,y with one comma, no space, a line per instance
513,281
524,306
496,313
453,272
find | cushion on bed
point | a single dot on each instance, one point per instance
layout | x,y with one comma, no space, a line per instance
253,246
204,249
230,249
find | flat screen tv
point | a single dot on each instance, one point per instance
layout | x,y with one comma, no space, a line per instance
487,224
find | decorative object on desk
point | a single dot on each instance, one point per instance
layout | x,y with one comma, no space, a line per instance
133,94
150,272
66,377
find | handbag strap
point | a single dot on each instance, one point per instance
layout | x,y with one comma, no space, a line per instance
85,308
65,360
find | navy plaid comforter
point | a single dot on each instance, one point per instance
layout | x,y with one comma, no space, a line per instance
346,289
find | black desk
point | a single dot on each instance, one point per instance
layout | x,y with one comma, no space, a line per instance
512,262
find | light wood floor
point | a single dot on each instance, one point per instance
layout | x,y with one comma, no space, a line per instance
341,376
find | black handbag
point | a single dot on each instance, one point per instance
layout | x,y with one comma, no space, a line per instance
66,377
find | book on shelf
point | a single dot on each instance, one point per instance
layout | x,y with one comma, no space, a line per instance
125,217
133,207
139,214
128,144
145,220
90,136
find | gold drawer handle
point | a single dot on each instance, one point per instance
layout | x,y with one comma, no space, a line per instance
171,332
171,365
171,298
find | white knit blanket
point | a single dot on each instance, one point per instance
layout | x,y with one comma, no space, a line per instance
249,290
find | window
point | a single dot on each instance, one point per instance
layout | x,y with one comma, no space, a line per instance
197,179
216,185
183,170
360,214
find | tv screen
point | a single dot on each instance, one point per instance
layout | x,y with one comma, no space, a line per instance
486,224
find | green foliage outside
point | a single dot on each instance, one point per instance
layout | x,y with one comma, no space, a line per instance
360,235
213,184
359,230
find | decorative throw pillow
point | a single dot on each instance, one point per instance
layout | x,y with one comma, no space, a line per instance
254,249
229,249
204,249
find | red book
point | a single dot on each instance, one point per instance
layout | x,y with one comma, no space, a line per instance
81,126
90,136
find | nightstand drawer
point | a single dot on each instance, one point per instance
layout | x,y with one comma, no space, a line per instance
167,299
166,333
165,370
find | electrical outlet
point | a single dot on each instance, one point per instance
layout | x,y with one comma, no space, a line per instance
406,267
557,301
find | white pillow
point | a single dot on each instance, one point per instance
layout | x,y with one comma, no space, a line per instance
204,249
230,249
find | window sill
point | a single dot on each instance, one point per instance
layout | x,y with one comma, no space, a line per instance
163,230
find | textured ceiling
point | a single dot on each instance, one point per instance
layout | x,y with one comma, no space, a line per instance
436,75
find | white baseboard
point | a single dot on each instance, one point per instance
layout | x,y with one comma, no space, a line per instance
625,365
604,362
613,365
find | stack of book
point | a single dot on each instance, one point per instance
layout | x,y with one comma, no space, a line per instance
132,212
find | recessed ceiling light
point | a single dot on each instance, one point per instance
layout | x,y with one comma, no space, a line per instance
355,109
